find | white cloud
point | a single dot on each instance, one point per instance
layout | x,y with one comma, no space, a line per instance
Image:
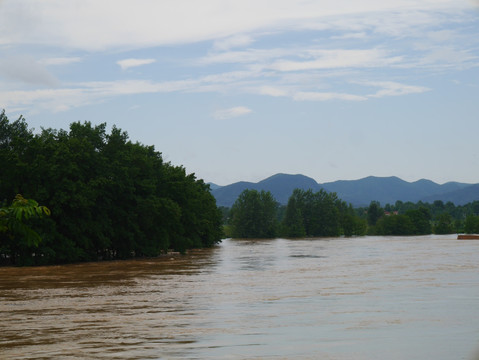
129,63
86,93
273,91
246,56
341,58
391,88
60,60
114,24
326,96
240,40
27,70
354,35
231,112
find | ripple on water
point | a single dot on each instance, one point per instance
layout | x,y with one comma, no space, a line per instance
361,298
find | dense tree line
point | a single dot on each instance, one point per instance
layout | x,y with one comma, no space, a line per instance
109,198
471,224
407,218
258,215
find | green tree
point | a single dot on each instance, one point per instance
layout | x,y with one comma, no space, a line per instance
395,225
110,198
374,212
253,215
318,214
292,224
471,224
421,220
18,239
444,224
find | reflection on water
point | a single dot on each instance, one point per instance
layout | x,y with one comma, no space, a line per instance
362,298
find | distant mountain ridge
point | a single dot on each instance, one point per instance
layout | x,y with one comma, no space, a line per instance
357,192
280,185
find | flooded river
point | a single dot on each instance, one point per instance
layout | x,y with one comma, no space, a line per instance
360,298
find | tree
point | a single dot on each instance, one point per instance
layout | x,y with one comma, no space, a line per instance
471,224
292,225
318,214
17,237
110,198
395,225
420,220
374,212
444,224
253,215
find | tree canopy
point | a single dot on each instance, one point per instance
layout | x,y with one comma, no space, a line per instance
109,197
17,237
257,214
253,215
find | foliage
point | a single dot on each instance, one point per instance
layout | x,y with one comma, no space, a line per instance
17,236
253,215
437,217
420,221
471,224
374,213
437,208
444,224
395,225
322,214
319,214
110,198
293,223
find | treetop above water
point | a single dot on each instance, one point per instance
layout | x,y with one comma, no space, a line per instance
109,198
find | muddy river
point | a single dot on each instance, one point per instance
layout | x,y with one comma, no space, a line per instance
358,298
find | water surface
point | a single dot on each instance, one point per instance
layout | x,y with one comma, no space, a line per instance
358,298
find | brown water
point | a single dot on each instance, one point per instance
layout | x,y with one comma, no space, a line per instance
361,298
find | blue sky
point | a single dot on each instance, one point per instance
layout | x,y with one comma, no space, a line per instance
241,90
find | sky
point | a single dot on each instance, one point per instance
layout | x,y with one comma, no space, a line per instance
241,90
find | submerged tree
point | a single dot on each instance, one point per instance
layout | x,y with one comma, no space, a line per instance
444,224
109,197
312,214
374,212
253,215
293,225
471,224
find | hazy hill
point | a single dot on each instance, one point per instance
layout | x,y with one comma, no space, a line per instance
357,192
461,196
280,185
388,190
213,186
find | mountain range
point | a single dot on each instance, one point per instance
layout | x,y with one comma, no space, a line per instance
386,190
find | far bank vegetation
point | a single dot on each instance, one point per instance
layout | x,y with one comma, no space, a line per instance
256,214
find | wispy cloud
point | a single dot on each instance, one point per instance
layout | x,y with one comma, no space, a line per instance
246,52
26,69
166,22
390,88
233,112
129,63
240,40
341,58
81,94
60,60
275,91
246,56
325,96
